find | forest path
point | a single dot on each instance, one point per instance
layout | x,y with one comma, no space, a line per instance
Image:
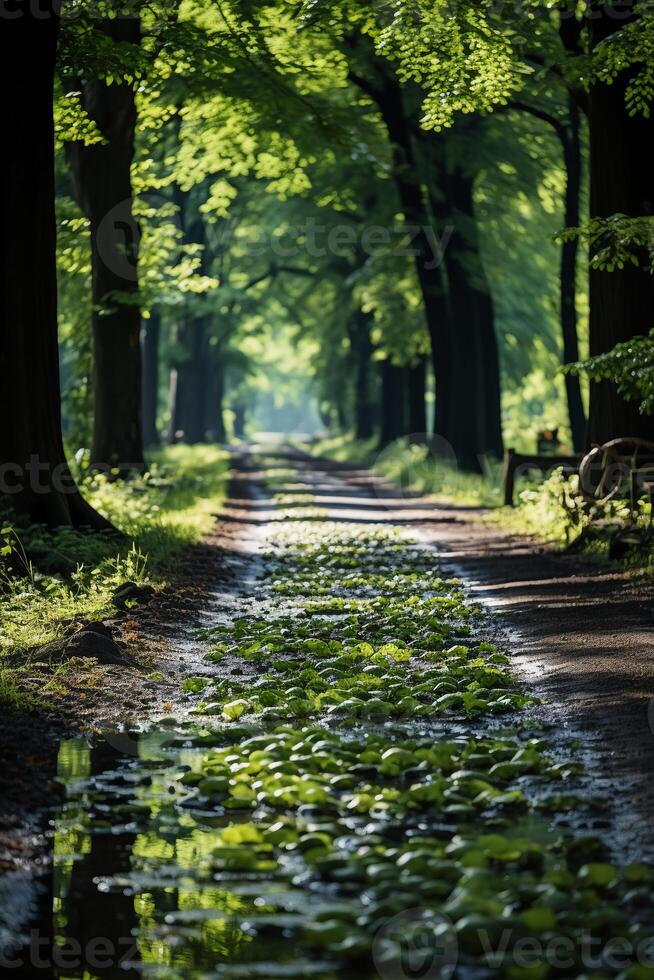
580,633
332,693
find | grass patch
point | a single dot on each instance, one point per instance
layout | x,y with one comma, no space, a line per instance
556,512
415,470
48,578
12,693
552,511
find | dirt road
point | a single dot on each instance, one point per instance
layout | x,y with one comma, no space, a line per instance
580,634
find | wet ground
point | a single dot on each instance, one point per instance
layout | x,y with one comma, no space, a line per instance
581,633
150,877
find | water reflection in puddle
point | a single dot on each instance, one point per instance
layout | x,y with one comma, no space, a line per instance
136,886
153,878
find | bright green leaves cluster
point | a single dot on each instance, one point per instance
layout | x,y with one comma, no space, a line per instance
630,366
616,241
630,48
388,654
291,768
456,52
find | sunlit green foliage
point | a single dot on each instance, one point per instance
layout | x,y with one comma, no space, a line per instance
630,366
249,108
49,579
416,470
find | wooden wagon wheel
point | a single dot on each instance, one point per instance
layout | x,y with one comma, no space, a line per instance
614,460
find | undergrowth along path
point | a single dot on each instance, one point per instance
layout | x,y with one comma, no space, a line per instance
354,766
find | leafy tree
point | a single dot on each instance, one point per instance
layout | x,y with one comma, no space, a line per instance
620,126
473,59
35,477
630,367
103,189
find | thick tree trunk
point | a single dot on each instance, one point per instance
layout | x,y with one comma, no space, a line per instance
432,285
569,252
467,416
621,302
192,400
103,188
475,419
150,334
393,403
386,92
34,476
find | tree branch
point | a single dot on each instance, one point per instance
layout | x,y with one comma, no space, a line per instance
273,270
560,127
362,83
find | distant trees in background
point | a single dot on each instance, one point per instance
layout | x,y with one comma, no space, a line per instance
262,199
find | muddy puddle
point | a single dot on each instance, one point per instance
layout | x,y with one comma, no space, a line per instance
137,862
145,883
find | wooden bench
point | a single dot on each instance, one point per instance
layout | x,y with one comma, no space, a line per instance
620,467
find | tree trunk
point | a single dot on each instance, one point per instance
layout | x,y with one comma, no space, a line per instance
362,349
464,353
393,403
386,92
240,412
621,302
341,413
476,414
191,393
192,410
416,378
569,252
569,135
215,402
432,286
103,188
150,334
34,476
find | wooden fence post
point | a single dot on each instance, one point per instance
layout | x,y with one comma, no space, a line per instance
509,476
